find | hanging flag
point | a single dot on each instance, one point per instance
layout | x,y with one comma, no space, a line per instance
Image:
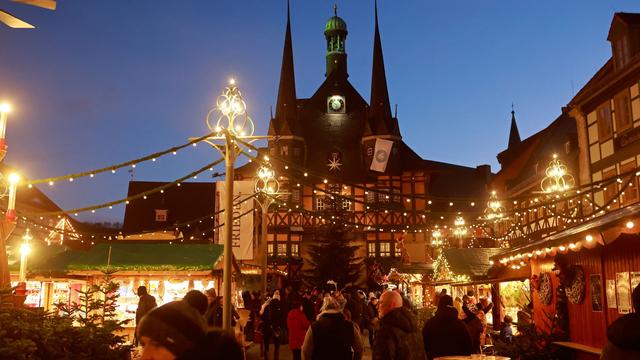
381,155
242,238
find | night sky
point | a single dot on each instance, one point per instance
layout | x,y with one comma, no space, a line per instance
100,82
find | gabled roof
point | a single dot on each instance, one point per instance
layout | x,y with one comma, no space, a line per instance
189,201
523,156
627,18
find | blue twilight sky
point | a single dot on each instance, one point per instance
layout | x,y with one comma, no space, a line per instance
99,82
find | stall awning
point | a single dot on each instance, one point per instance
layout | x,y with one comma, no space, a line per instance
134,257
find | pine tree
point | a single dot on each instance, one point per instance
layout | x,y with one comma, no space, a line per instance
333,257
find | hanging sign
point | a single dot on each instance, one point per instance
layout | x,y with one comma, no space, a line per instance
242,238
381,155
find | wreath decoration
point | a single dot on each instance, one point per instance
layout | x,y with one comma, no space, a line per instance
545,288
575,288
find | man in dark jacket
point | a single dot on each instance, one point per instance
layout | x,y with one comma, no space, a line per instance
444,334
332,337
399,337
145,304
624,334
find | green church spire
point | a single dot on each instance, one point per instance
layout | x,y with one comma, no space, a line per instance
335,32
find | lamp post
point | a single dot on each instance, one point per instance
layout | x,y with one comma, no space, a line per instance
267,188
229,121
25,250
8,223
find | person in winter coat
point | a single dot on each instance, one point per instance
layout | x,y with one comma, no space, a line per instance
177,331
374,319
398,337
272,325
332,337
297,324
474,326
145,304
445,334
624,334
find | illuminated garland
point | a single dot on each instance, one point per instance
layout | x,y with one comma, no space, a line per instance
141,195
113,168
110,236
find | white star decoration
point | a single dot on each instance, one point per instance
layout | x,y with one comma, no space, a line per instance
334,164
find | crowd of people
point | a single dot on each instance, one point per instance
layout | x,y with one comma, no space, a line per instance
316,325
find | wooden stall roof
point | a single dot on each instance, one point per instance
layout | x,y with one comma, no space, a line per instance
133,257
473,262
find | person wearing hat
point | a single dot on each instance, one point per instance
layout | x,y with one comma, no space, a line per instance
445,334
177,331
623,334
332,336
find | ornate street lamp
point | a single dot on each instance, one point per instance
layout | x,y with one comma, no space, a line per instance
229,121
459,229
268,190
557,177
494,211
436,238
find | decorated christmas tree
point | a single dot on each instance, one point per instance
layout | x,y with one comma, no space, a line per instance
441,269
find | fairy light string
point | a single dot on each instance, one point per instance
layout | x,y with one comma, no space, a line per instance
141,195
113,168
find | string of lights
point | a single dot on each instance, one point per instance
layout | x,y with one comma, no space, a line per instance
113,168
126,200
32,223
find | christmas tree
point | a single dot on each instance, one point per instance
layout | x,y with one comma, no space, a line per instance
333,257
441,269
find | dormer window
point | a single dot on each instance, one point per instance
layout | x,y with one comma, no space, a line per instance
621,51
161,215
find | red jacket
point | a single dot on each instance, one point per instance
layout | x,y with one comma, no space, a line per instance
298,324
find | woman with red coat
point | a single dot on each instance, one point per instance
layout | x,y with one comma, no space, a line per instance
298,324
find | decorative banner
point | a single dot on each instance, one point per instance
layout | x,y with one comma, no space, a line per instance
242,228
624,295
595,281
611,294
381,155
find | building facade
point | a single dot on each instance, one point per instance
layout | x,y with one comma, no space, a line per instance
336,151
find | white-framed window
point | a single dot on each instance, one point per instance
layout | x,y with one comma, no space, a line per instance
296,151
371,249
385,249
346,204
270,249
295,249
320,204
272,151
295,196
161,215
282,249
284,150
370,151
371,196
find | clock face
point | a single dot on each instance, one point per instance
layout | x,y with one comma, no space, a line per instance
336,104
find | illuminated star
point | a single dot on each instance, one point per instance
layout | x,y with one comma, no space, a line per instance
334,164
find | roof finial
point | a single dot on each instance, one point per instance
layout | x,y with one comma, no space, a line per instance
512,111
335,9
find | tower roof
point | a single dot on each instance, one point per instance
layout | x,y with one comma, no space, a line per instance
286,104
514,134
380,106
335,23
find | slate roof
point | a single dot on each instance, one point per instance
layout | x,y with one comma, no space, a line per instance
473,262
189,201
